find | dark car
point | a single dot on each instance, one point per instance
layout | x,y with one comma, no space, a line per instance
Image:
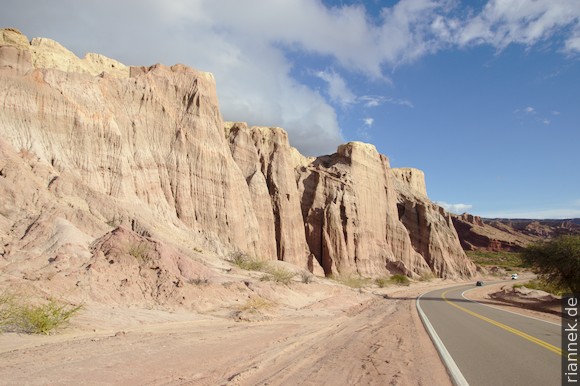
479,283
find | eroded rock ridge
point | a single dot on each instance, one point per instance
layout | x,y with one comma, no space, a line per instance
88,145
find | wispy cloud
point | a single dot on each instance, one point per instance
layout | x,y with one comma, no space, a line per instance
526,22
454,208
338,89
377,100
368,121
535,115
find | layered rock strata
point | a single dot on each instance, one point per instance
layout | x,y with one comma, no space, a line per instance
93,144
430,227
350,215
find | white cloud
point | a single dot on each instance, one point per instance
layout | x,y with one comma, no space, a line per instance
573,43
251,52
371,101
377,100
368,121
454,208
505,22
546,121
529,110
338,90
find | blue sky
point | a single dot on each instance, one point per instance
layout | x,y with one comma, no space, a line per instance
483,96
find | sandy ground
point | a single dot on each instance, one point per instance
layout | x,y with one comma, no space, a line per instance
321,333
339,336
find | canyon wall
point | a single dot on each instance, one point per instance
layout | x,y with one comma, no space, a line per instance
90,144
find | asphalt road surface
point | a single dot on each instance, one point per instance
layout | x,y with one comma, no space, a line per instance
491,346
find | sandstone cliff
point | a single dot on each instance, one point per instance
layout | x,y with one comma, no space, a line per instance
89,144
431,228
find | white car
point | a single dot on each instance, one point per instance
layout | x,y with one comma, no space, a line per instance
514,276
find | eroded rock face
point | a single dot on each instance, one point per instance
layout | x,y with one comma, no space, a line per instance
154,140
266,159
47,53
89,144
350,214
430,227
412,180
510,235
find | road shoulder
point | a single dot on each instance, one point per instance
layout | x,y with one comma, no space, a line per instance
482,295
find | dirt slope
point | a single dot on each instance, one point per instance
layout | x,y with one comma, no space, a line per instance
339,337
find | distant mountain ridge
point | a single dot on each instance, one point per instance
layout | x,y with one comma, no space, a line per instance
499,234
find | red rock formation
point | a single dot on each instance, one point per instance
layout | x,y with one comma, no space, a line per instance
510,235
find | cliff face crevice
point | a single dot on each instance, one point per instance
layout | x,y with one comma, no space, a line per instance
264,155
97,144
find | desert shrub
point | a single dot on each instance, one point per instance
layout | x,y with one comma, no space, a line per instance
198,281
278,275
247,263
255,304
140,251
399,279
306,277
382,282
16,316
353,281
8,311
427,276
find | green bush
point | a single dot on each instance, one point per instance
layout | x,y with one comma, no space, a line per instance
556,261
399,279
8,310
382,282
16,316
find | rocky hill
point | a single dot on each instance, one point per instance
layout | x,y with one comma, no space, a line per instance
511,235
99,161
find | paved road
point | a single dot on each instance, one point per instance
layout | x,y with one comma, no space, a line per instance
491,346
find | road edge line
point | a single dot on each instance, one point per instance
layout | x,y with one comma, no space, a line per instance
456,376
